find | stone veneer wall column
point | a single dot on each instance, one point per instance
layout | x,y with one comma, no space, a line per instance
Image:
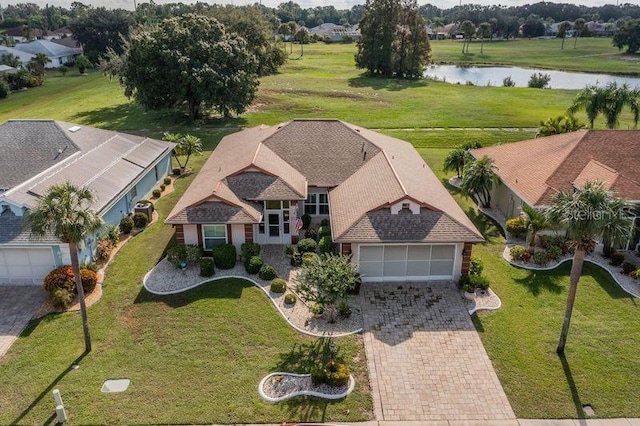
179,234
200,242
248,232
466,258
229,235
345,248
292,224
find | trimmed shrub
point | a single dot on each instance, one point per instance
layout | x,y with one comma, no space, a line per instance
60,277
307,245
104,249
93,266
224,256
290,299
463,281
540,257
617,259
309,257
518,253
326,245
637,274
278,285
296,259
167,180
323,231
476,266
253,264
89,280
162,187
553,253
317,309
306,221
311,233
126,224
289,250
345,310
140,220
516,226
267,273
62,298
249,250
156,193
206,267
177,171
628,267
113,234
337,374
324,222
479,281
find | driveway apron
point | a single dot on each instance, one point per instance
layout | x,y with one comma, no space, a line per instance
17,306
425,358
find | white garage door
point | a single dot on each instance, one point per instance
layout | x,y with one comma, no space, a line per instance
25,266
407,262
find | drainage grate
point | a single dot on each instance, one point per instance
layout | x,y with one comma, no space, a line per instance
588,410
115,385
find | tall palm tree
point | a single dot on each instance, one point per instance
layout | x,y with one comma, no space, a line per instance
455,161
187,145
468,30
587,213
536,221
65,212
484,30
616,98
592,99
478,179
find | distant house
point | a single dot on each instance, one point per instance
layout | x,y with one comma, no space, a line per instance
69,42
19,34
57,54
532,171
24,57
6,69
335,33
119,168
384,204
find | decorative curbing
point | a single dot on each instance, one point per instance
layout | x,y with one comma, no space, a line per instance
487,308
352,384
507,256
301,330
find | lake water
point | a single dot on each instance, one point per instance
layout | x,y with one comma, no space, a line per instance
493,76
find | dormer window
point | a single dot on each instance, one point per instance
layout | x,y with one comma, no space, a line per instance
406,206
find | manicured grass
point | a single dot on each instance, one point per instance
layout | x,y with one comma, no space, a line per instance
601,363
196,357
590,55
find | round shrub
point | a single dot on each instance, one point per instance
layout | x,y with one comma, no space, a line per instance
326,245
253,264
476,266
307,245
60,277
247,250
89,280
167,181
267,273
540,257
126,224
617,259
290,299
62,298
317,309
311,233
516,226
323,231
308,258
324,222
140,220
162,187
554,252
628,267
306,221
156,193
176,255
104,249
337,374
296,259
278,285
177,171
289,250
519,253
224,256
206,267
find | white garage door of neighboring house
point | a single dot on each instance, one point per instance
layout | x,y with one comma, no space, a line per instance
25,266
407,262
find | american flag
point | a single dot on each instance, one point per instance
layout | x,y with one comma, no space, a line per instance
298,222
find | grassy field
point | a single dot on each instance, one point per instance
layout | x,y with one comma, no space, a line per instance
590,55
192,358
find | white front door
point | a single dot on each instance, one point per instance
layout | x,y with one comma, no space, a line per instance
273,222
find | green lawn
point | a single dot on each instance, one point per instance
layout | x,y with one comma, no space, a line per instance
590,55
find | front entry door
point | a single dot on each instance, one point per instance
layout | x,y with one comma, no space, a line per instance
274,227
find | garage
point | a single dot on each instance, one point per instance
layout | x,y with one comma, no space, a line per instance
25,265
407,262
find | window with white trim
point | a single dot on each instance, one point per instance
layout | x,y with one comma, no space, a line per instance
317,204
213,235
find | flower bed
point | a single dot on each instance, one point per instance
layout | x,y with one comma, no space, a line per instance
279,386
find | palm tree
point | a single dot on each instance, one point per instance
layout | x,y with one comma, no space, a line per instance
187,145
535,221
562,32
592,100
478,179
437,22
560,124
455,161
616,98
468,30
586,214
65,212
484,30
580,25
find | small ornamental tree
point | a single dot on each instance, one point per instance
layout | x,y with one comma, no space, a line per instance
325,280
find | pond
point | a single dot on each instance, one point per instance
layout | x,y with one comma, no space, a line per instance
493,76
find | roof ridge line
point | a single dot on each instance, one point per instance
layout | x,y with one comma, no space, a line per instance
577,144
393,169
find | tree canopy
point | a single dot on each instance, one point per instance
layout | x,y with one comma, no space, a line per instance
628,34
609,100
188,60
100,28
394,40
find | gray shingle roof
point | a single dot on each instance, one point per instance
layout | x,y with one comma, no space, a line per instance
46,47
428,226
27,150
259,186
14,230
213,212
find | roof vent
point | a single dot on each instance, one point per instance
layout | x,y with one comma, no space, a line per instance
74,129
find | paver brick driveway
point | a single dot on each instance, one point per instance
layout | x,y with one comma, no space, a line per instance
425,358
17,306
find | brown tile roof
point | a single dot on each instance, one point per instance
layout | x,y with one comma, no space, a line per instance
369,172
536,169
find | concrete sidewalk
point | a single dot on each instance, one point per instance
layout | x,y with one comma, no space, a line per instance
517,422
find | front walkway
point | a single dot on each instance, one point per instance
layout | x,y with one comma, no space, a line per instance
17,306
425,358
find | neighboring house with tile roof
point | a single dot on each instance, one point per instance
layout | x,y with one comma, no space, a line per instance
119,168
385,206
58,54
532,171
